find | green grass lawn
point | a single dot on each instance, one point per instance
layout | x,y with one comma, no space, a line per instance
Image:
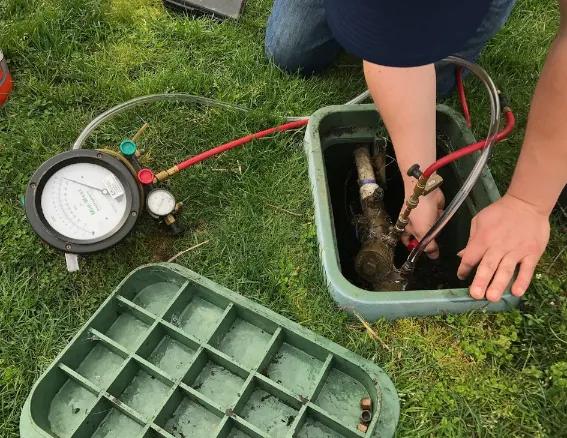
471,375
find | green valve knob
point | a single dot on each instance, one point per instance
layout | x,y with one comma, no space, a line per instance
128,148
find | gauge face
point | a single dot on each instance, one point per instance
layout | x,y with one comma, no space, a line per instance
160,202
84,201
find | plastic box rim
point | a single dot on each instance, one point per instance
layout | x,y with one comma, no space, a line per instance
351,297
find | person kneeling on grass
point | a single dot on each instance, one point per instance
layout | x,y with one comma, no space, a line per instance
402,44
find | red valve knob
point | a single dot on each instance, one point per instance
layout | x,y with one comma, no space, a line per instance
413,242
146,176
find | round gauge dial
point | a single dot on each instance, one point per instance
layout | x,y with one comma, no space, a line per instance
82,201
160,202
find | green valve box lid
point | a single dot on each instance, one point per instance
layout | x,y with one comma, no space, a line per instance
172,354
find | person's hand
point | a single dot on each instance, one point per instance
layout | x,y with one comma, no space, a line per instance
422,219
506,234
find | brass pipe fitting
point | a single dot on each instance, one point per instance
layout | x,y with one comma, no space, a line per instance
423,187
504,102
365,417
140,132
366,404
411,204
165,174
169,219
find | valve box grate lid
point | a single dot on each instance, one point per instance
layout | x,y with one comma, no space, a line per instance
172,354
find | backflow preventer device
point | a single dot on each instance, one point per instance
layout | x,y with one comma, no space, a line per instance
375,260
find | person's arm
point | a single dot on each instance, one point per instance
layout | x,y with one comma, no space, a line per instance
515,229
405,99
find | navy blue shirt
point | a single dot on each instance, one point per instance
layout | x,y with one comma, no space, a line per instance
404,33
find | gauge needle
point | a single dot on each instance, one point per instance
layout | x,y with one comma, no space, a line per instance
103,191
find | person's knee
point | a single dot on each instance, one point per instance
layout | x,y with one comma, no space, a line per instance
292,55
283,54
289,50
299,43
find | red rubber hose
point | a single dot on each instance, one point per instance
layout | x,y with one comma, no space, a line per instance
463,96
299,123
413,242
510,122
233,144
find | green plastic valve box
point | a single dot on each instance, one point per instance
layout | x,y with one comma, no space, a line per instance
172,354
332,134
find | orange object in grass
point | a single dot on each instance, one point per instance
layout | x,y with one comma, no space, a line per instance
6,83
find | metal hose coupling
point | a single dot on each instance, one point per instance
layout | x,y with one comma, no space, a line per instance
423,187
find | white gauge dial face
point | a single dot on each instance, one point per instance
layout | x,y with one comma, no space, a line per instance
161,202
84,201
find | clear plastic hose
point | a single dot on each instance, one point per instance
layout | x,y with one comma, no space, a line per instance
176,97
360,98
475,174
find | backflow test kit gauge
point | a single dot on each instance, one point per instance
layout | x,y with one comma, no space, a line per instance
86,201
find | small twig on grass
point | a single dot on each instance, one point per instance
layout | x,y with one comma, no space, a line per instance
235,170
556,335
283,209
187,250
528,355
556,258
370,331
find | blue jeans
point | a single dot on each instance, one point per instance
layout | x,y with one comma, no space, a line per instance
299,39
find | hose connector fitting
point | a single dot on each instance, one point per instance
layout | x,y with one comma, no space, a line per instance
505,103
412,202
165,174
